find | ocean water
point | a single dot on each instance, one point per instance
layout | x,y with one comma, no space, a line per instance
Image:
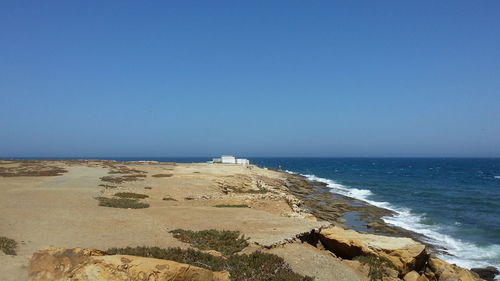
454,203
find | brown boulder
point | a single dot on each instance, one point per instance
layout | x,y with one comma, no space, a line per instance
411,276
444,271
58,264
422,278
405,253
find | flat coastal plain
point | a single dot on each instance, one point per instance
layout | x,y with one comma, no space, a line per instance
54,203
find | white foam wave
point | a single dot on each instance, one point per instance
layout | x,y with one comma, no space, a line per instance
458,252
497,177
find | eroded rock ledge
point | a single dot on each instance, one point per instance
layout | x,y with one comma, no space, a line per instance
411,259
58,264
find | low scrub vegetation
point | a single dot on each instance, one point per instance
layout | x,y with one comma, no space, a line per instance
29,169
115,180
107,186
254,267
124,170
248,190
162,175
226,242
131,195
125,203
7,245
168,199
122,179
378,266
231,206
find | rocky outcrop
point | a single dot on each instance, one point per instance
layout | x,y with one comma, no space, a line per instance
487,273
404,253
58,264
410,258
440,270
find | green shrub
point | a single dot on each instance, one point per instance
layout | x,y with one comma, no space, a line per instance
378,266
231,206
227,242
262,266
8,246
254,267
124,203
130,195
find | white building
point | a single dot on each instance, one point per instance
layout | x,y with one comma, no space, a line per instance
227,159
243,161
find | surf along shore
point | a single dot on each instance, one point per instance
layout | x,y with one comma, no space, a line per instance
86,219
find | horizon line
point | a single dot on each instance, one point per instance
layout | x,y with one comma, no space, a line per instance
188,157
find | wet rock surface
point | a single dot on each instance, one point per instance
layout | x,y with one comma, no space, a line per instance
487,273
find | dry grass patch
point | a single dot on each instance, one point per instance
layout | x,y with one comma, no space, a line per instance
131,195
247,190
8,246
107,186
231,206
124,203
125,170
134,176
115,180
226,242
257,266
162,175
31,168
122,179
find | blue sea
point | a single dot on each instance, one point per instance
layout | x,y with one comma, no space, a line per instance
453,202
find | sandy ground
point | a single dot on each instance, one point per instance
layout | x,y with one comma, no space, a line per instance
41,211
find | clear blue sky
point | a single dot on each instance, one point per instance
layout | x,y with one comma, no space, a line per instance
252,78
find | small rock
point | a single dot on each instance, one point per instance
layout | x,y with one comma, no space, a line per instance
411,276
487,273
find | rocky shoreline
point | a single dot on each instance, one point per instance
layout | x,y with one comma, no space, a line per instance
318,199
347,211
